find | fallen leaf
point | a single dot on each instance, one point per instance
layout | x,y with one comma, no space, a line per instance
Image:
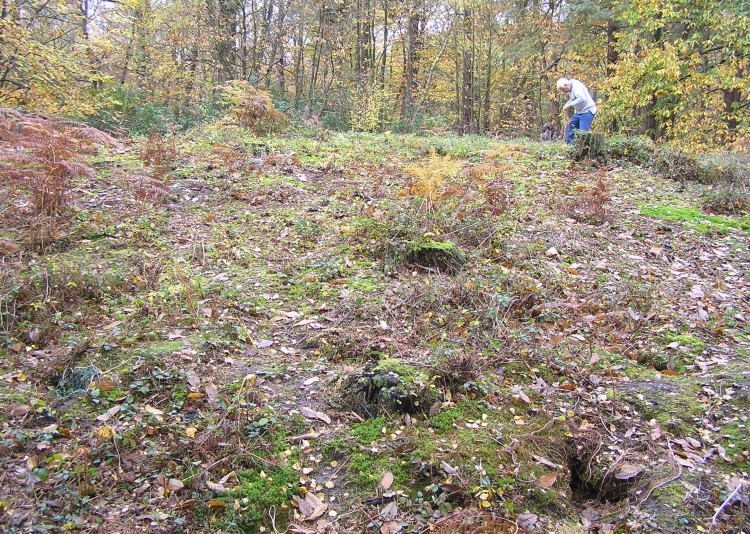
186,504
213,503
548,480
18,410
152,410
697,292
552,252
194,381
544,461
390,528
628,471
191,431
106,385
174,484
312,414
230,478
311,507
389,511
211,391
387,481
527,520
448,468
213,486
109,413
684,462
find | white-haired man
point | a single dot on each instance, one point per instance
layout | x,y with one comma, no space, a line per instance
584,106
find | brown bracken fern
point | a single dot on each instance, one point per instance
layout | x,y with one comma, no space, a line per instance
152,184
250,107
39,156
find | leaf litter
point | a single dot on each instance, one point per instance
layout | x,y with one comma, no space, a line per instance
568,337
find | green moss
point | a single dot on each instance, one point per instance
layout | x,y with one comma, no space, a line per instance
696,219
686,339
445,420
259,490
367,470
394,365
370,431
671,402
164,347
736,441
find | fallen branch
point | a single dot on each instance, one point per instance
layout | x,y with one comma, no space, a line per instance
726,503
311,435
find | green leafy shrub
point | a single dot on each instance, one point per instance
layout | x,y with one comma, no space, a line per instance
137,112
726,201
634,150
591,146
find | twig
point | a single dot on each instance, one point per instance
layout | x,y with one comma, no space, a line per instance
272,515
664,483
726,503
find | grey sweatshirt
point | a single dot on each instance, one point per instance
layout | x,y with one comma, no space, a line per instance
579,97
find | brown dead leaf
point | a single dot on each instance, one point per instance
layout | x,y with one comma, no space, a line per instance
387,481
311,507
18,410
213,503
106,385
211,391
194,381
548,480
544,461
684,462
109,413
174,484
448,468
217,488
186,504
389,511
312,414
390,528
628,471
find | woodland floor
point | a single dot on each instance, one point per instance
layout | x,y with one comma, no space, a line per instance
265,349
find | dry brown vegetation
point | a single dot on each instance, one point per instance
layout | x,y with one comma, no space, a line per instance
209,358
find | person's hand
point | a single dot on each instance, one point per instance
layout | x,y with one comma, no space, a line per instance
565,107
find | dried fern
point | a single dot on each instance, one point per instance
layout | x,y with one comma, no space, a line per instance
39,156
249,107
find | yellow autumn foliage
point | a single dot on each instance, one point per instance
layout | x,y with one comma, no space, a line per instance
429,179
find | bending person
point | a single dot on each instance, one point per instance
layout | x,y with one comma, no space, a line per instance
584,106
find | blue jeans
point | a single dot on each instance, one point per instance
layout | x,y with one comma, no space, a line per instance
579,121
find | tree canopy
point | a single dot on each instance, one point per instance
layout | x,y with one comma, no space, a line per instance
674,70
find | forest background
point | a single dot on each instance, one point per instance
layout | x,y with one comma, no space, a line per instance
674,70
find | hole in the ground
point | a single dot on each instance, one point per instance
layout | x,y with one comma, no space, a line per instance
592,476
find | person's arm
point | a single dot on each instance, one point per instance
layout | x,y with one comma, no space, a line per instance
575,97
